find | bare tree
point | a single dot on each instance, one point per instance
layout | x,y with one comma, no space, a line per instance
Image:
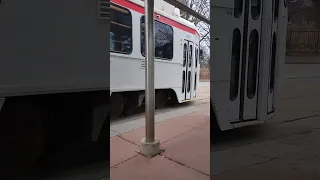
202,7
307,10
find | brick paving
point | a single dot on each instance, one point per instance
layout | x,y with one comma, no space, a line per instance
185,142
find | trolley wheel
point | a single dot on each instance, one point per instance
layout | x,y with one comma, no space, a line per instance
117,102
22,137
161,99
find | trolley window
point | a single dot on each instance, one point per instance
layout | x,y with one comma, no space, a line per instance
163,40
275,10
120,30
253,59
238,8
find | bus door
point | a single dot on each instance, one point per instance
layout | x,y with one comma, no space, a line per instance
235,58
187,78
251,53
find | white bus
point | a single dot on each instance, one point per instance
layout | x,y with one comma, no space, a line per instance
247,56
176,56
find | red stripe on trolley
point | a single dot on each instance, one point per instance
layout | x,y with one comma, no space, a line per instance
138,8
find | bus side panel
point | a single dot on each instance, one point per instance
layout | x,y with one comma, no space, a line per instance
52,46
222,30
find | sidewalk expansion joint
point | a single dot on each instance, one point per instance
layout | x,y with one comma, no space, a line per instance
127,140
270,158
116,165
261,162
182,164
193,128
253,142
303,118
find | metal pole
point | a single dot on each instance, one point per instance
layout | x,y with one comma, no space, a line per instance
149,64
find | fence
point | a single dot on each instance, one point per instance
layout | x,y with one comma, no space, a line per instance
303,41
204,73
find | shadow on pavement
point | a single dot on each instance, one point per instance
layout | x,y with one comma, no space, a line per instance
70,161
236,137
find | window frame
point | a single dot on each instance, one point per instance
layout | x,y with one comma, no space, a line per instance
123,8
160,58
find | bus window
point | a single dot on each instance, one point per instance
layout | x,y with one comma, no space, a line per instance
183,81
185,54
253,64
235,64
120,30
163,41
238,6
285,3
197,57
275,10
189,82
190,56
195,81
255,9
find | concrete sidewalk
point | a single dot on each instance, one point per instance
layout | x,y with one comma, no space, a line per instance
291,155
185,142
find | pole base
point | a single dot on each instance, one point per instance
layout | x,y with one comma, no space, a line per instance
150,149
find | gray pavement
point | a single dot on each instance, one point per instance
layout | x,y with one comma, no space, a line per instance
99,171
294,71
311,59
287,146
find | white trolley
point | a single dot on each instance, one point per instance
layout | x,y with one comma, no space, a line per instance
176,56
247,56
